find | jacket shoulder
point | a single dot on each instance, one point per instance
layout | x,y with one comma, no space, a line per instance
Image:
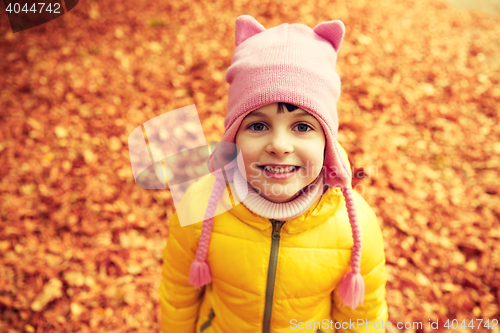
193,204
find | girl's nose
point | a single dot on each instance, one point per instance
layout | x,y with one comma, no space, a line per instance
280,143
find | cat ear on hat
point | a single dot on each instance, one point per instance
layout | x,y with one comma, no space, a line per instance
247,26
332,31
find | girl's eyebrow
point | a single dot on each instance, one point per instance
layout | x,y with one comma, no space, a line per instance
262,114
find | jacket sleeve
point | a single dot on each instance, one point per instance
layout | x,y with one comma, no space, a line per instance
372,315
179,301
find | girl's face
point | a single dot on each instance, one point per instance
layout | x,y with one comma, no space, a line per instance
269,138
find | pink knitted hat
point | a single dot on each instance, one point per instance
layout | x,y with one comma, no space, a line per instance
294,64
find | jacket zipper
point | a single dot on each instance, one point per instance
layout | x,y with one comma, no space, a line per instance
271,273
206,324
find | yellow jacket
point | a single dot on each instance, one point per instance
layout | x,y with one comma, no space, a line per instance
313,254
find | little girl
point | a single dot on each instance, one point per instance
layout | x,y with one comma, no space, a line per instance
289,256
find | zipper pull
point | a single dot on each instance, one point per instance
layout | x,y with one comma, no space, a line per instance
211,315
276,228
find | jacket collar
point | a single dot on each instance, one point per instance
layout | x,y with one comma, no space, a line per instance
316,214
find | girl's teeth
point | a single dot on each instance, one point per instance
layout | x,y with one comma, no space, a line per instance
279,170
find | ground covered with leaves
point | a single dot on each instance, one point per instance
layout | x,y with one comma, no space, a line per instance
81,244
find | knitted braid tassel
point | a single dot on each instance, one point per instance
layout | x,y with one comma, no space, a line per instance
352,288
200,274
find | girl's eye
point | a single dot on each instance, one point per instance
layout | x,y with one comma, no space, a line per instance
257,127
303,127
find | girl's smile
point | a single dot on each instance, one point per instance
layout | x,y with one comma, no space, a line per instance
282,150
279,172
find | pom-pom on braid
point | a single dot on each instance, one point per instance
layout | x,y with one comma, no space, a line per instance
352,288
199,274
